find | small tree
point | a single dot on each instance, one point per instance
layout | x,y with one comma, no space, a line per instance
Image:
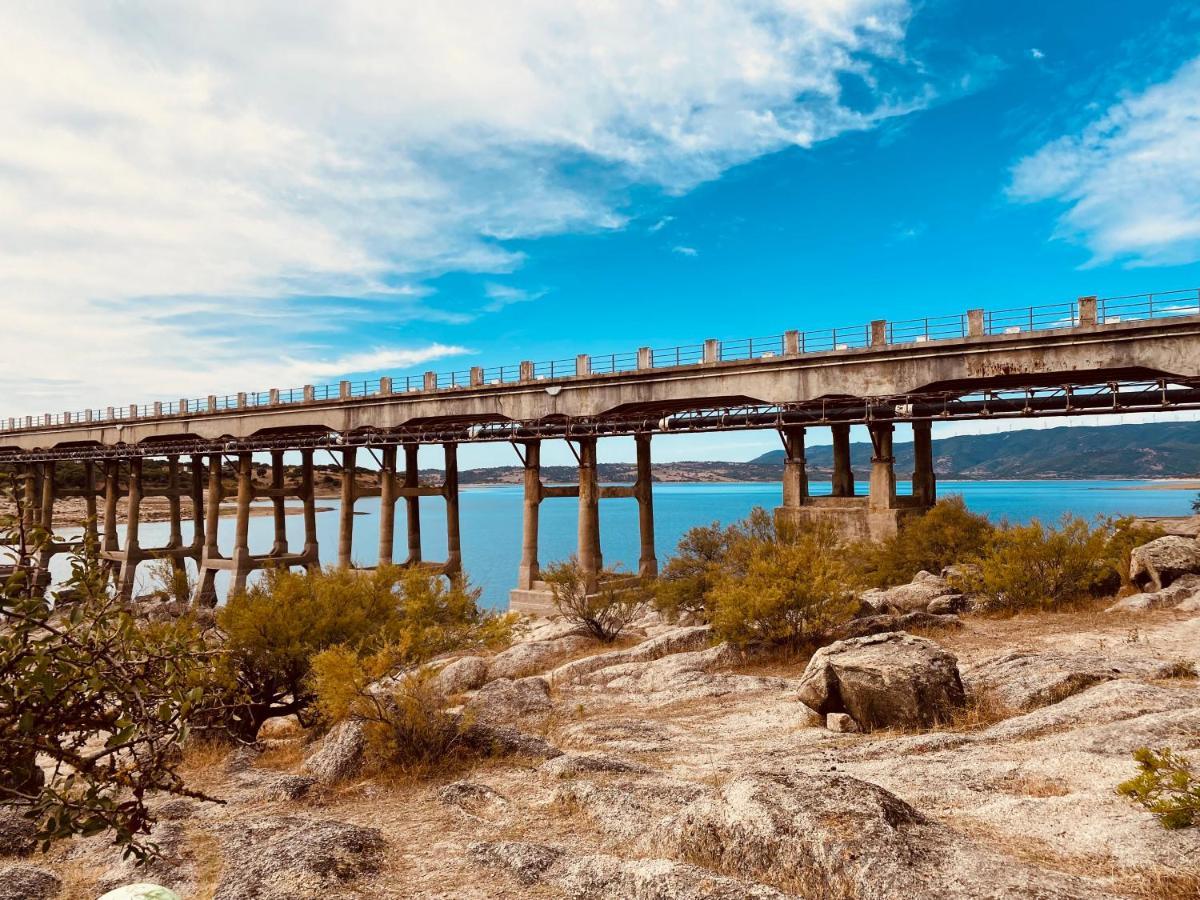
1167,785
789,586
603,604
103,698
685,581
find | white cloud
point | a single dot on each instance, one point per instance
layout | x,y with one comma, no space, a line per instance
170,174
502,295
1131,179
685,251
1035,53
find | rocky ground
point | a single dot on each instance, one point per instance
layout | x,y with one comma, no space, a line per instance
671,768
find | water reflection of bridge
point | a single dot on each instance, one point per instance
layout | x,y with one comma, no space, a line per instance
1119,355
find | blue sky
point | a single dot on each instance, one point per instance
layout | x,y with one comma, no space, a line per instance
249,196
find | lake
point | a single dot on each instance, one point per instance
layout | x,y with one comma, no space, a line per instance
491,520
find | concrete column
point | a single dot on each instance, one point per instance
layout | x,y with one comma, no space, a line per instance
197,495
644,492
46,551
712,350
175,537
385,385
843,474
645,358
795,473
924,480
528,572
791,343
526,370
412,503
431,381
583,364
387,506
590,558
312,552
883,470
879,333
91,527
241,540
30,505
450,491
278,501
112,489
975,323
133,549
206,581
476,376
346,514
1087,311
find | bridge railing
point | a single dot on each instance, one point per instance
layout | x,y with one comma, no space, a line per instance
1087,311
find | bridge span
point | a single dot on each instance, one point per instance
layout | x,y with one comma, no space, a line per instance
1112,355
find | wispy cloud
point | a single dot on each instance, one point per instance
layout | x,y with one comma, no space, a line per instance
502,295
1131,179
660,224
1035,53
685,251
168,172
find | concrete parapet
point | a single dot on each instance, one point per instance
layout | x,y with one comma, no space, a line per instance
385,385
431,381
476,376
1087,311
526,371
344,390
310,393
583,364
791,343
712,350
212,403
158,409
879,333
645,358
974,323
273,397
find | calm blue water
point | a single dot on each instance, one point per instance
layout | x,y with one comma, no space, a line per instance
491,519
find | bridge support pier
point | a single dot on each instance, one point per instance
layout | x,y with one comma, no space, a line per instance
393,488
532,595
874,517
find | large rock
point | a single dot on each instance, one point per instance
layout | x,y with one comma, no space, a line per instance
294,858
18,835
831,835
868,625
885,680
1181,590
675,640
461,675
339,755
532,657
924,589
1161,562
525,862
22,882
603,877
505,700
1024,680
491,739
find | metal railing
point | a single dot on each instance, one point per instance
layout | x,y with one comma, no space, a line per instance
1099,311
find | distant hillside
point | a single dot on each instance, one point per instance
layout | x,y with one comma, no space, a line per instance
1158,450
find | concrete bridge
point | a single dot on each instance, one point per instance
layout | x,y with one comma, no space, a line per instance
1112,355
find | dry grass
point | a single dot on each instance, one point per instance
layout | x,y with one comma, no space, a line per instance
201,755
282,754
1162,883
1032,786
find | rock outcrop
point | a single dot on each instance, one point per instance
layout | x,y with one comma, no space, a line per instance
1183,589
506,700
925,588
339,755
294,858
885,680
532,657
1161,562
23,882
17,834
464,674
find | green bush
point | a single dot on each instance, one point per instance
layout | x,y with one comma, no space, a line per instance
1038,566
686,579
274,629
947,534
1167,785
604,607
102,698
781,586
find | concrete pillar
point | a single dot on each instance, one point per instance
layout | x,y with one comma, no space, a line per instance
791,343
590,558
346,514
241,400
476,376
273,397
158,408
310,393
412,503
645,358
883,470
133,549
643,490
975,323
795,473
206,580
583,364
175,537
197,496
112,490
924,480
450,491
879,333
1087,311
528,572
526,371
241,540
46,516
344,390
843,474
312,552
712,350
431,381
279,546
387,506
91,526
385,385
212,403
